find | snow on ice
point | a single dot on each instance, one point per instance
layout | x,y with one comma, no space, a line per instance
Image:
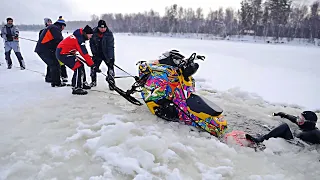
47,133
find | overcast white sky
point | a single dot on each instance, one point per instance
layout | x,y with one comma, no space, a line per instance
33,11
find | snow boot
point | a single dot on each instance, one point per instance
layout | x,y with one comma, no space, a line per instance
58,85
48,80
111,88
10,66
259,139
86,86
113,82
79,91
93,84
64,79
22,64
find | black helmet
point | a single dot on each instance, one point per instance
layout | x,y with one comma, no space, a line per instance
310,116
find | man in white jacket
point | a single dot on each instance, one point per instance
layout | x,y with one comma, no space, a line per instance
10,34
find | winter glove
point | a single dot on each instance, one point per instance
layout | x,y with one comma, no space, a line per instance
16,37
281,114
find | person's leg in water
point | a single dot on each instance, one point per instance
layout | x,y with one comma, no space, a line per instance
282,131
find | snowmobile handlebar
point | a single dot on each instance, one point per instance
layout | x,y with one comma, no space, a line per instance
194,57
191,60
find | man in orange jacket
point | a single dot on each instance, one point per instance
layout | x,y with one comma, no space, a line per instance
66,53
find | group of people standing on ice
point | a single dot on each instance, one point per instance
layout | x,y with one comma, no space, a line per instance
58,52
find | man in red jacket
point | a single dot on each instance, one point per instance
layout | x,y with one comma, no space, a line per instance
66,53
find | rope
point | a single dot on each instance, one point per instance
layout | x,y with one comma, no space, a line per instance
28,39
38,72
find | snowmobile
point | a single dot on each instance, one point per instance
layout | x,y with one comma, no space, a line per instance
168,90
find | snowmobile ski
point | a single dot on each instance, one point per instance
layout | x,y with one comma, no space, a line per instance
124,94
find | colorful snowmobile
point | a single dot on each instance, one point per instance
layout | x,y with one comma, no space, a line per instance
168,89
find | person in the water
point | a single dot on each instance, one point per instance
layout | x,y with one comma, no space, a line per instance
307,124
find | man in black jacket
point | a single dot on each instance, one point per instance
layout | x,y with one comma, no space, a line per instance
46,48
307,123
64,75
102,47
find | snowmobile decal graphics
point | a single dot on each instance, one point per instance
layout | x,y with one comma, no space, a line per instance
166,83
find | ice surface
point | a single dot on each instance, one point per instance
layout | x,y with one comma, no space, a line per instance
47,133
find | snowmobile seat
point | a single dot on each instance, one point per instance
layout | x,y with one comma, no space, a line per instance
202,107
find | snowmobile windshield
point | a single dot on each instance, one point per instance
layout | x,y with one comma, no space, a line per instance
173,56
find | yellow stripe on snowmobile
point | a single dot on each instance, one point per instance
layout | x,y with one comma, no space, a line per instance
204,116
183,81
151,105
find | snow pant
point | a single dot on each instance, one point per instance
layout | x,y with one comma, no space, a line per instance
48,75
97,63
63,73
54,67
79,75
13,45
282,131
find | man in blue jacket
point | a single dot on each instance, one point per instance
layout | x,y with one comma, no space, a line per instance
102,47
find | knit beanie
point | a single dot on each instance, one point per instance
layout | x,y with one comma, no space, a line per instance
46,20
88,30
61,21
102,24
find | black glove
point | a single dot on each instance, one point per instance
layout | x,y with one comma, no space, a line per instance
200,57
281,114
16,36
136,78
